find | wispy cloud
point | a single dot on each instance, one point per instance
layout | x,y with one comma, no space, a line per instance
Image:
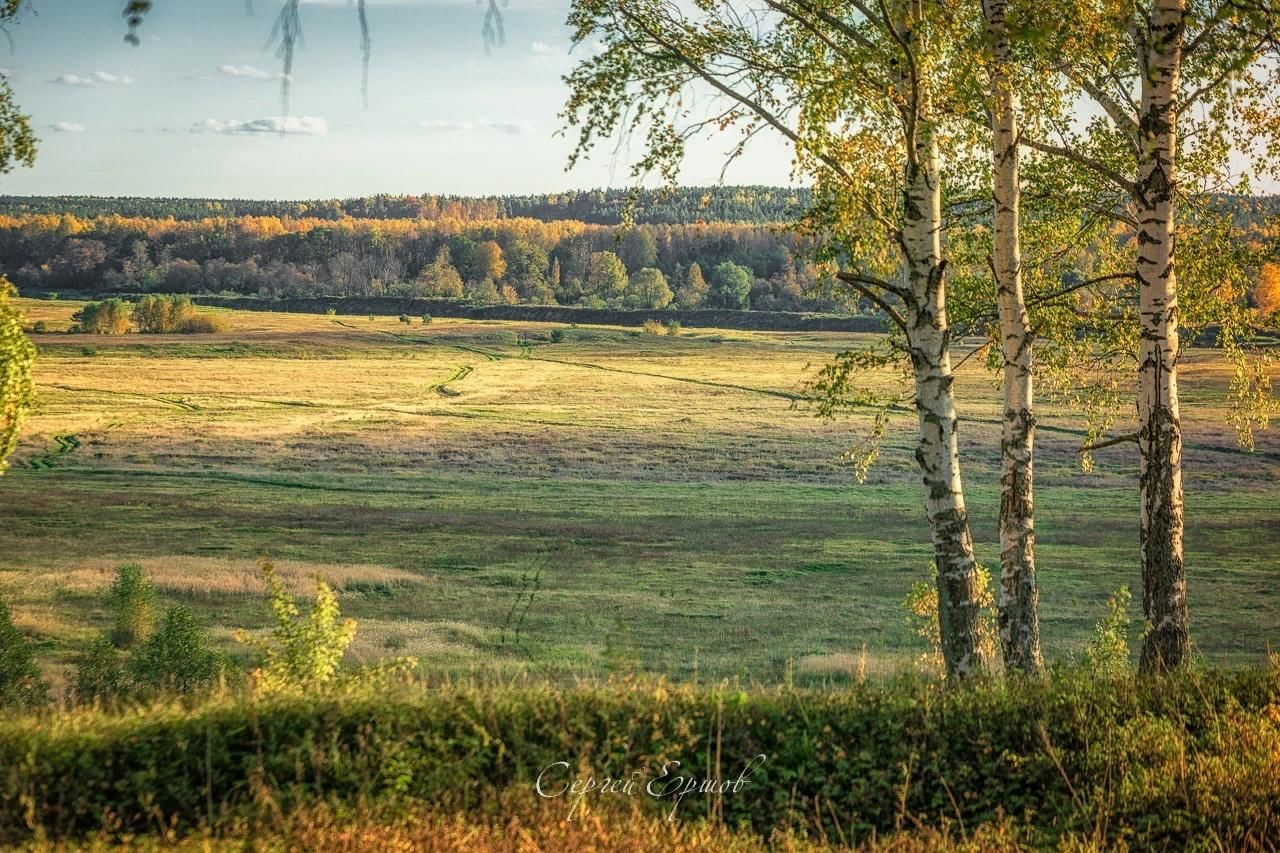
249,72
97,78
514,128
66,127
289,125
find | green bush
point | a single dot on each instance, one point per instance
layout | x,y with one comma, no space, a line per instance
177,658
557,336
20,681
1107,655
404,318
89,350
133,603
40,327
1143,764
426,319
99,675
303,652
108,317
673,327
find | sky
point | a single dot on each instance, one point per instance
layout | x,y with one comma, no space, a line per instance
195,109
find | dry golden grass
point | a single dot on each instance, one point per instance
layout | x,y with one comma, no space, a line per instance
184,574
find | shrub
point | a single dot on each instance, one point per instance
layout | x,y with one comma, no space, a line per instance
557,336
303,651
673,327
40,327
204,324
922,603
426,319
89,350
108,317
20,681
1146,764
177,657
404,318
99,675
163,315
652,327
1107,655
133,603
331,311
52,296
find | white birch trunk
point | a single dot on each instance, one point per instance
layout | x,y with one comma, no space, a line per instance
1167,642
938,454
1019,598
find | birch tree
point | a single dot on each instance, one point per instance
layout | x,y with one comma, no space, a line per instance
1159,72
859,91
1018,602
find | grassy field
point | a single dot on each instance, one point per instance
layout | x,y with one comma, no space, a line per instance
678,511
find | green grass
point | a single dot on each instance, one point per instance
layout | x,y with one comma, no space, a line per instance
676,503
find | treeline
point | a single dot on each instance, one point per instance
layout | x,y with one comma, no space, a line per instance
746,204
499,261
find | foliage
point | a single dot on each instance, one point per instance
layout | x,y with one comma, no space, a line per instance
1142,764
731,284
108,317
99,675
17,361
1107,654
20,681
753,204
17,141
652,327
648,290
694,289
133,603
162,315
1266,293
673,327
303,651
177,658
922,605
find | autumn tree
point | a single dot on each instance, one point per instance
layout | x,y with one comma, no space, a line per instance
693,291
648,289
730,284
1266,294
1178,85
17,386
439,279
606,278
860,92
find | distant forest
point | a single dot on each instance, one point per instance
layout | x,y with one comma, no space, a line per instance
723,247
501,261
683,206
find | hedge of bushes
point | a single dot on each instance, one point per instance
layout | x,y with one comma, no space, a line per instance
1153,763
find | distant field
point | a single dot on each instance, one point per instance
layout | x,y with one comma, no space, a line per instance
681,513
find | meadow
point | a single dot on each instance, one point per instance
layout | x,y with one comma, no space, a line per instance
501,497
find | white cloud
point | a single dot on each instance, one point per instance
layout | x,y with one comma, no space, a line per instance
249,72
291,125
97,78
514,128
66,127
541,48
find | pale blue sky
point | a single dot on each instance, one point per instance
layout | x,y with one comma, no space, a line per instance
181,115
